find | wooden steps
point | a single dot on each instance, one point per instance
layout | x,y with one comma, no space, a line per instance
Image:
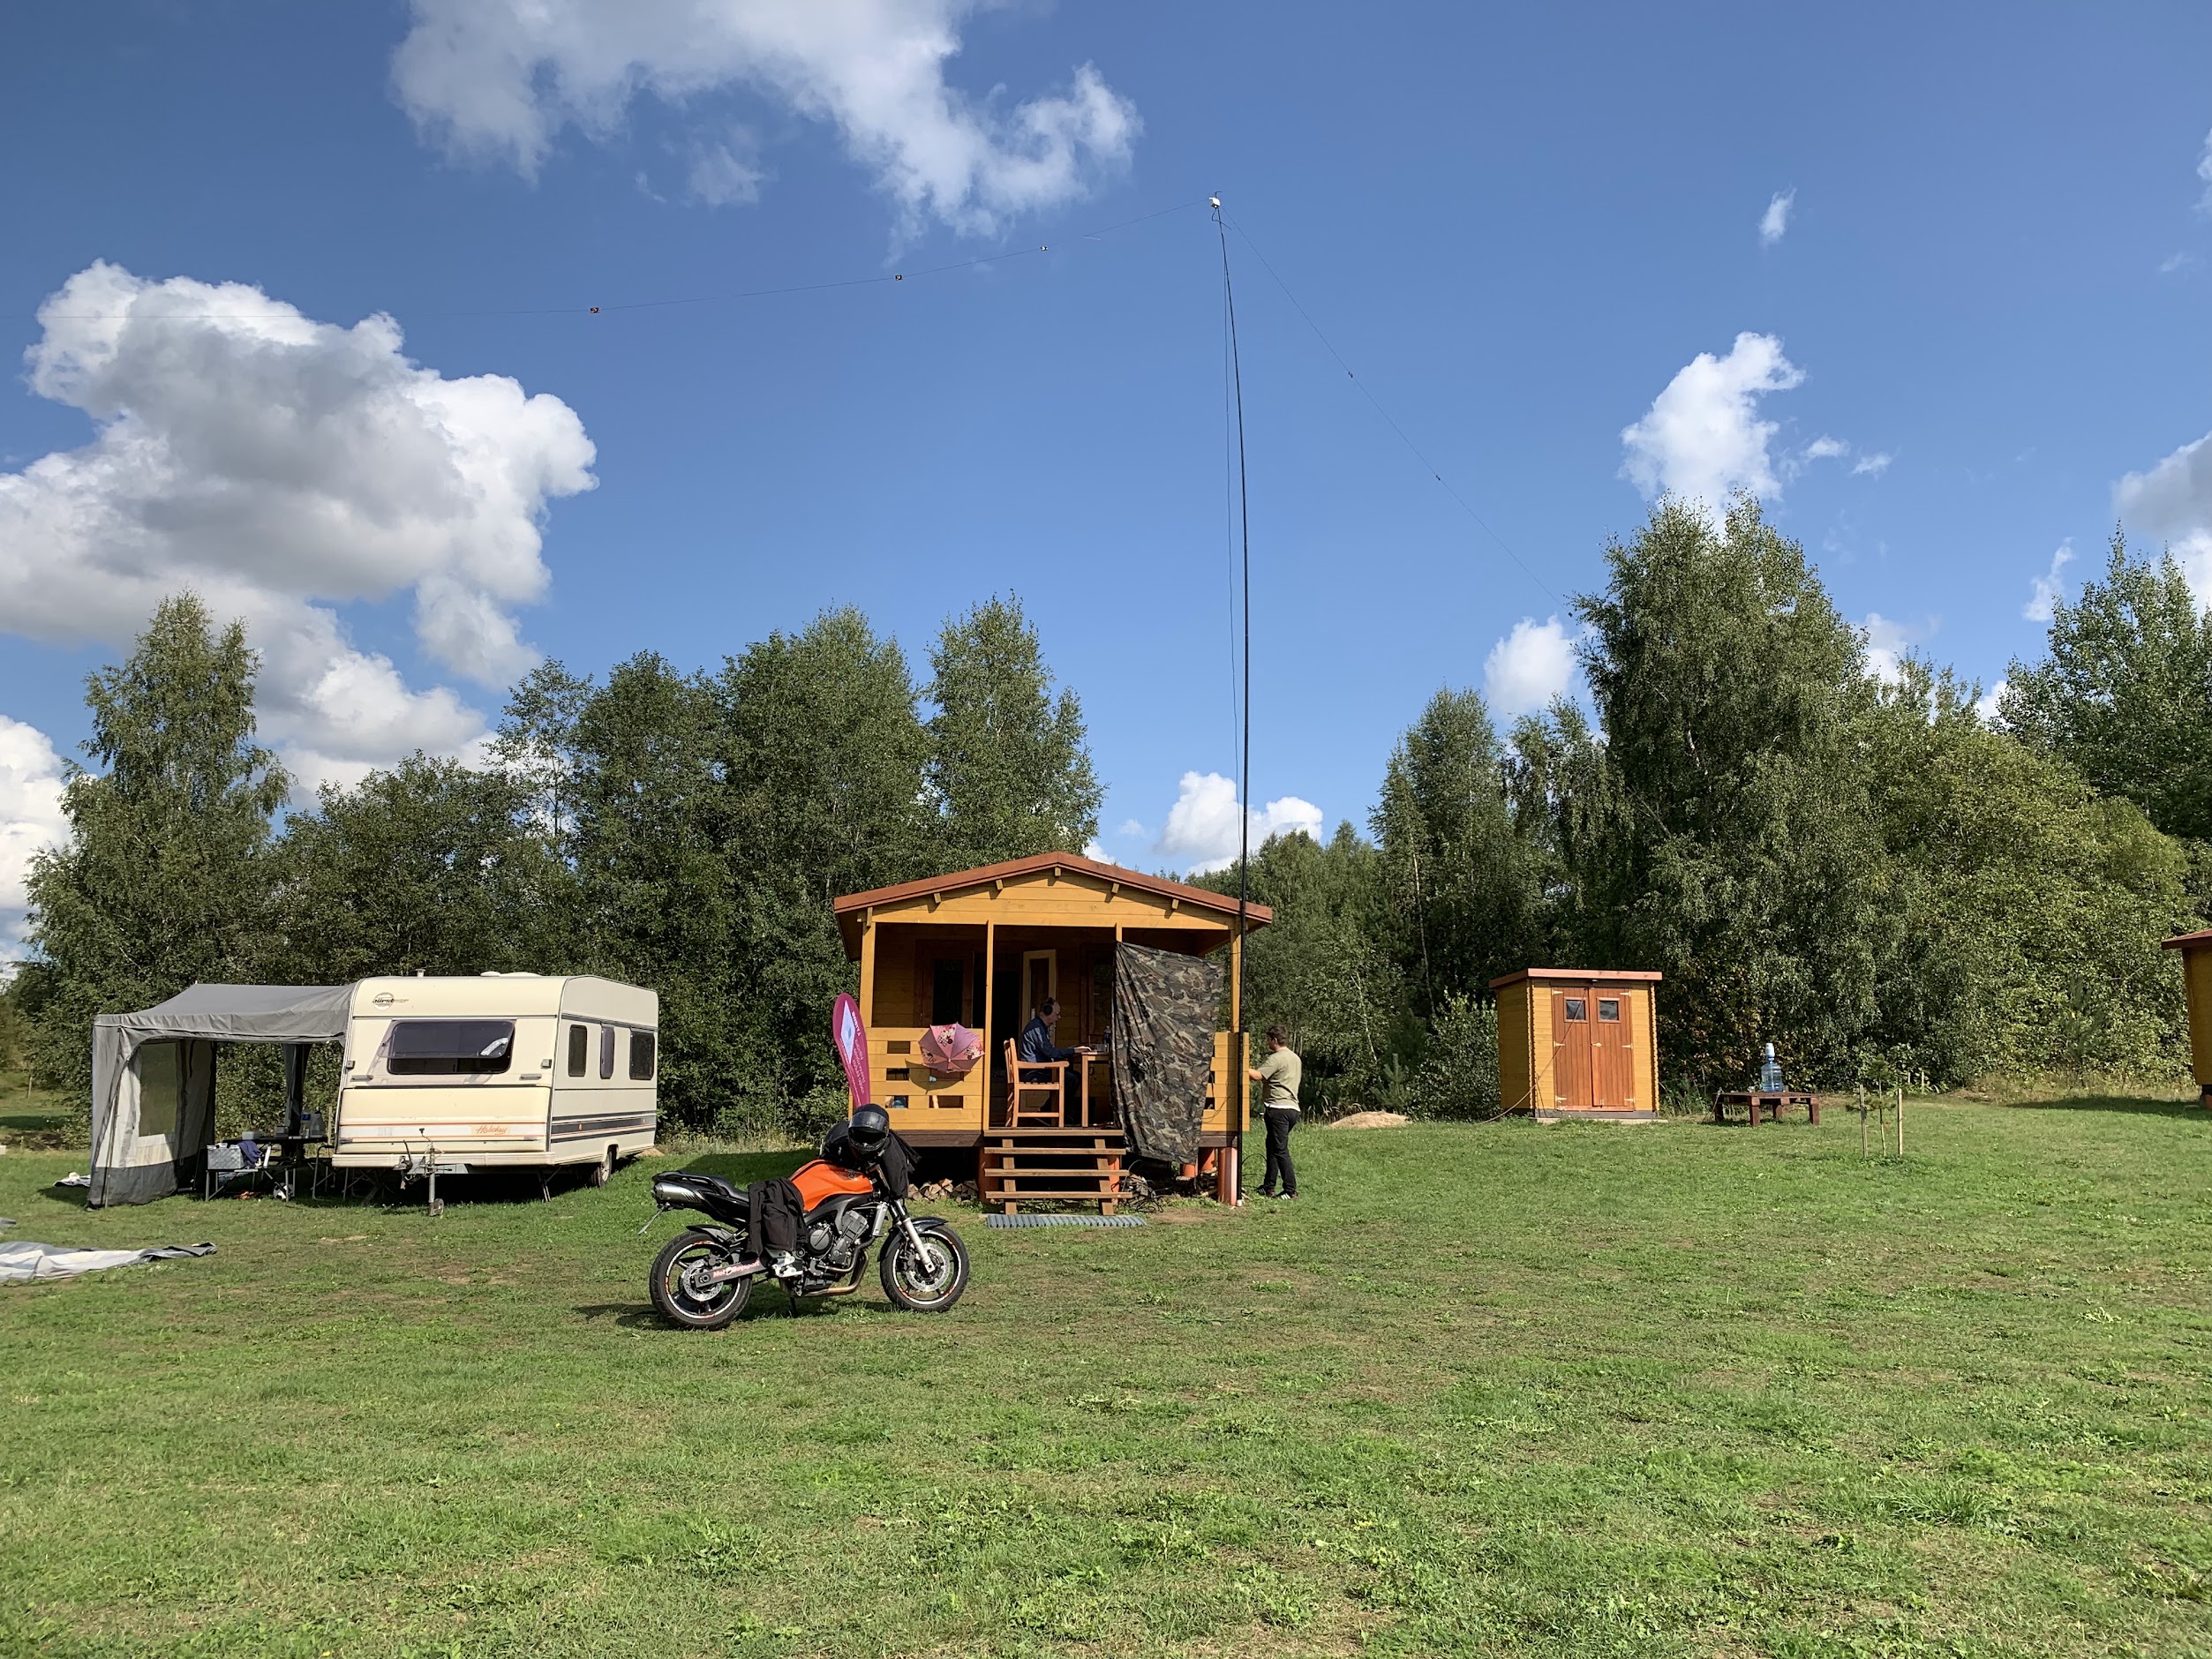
1078,1165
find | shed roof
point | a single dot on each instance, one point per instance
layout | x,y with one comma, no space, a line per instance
1040,865
1580,976
2182,942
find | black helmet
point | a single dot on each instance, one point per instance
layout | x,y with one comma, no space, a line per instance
869,1131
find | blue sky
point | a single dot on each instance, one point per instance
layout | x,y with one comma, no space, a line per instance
1989,295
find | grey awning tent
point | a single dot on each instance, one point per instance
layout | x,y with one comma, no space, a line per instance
153,1076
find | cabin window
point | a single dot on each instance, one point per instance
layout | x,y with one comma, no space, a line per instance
606,1052
1609,1010
1577,1007
641,1056
160,1087
449,1047
579,1049
948,991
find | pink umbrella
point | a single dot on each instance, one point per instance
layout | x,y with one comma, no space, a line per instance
951,1051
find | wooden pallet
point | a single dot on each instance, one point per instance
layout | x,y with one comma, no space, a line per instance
1081,1165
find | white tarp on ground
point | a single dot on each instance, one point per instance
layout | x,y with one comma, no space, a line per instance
23,1259
153,1076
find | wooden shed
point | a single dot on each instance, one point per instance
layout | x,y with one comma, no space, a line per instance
2196,980
984,948
1582,1041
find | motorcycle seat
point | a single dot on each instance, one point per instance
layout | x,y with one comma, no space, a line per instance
725,1200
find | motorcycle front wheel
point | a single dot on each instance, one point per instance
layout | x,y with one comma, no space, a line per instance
929,1280
683,1301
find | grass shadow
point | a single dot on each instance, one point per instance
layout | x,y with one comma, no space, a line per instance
2138,1106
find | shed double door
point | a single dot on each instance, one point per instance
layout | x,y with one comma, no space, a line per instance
1593,1052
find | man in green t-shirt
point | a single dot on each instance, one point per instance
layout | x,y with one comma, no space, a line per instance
1278,1076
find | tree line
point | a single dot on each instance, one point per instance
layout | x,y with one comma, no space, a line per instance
1872,873
681,831
1866,872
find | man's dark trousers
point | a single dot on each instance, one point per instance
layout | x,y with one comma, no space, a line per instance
1280,1177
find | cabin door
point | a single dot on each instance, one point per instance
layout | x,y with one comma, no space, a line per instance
1039,981
1571,1050
1612,1052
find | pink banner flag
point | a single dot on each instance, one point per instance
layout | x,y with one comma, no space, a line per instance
850,1035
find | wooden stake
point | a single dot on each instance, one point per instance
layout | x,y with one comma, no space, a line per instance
1900,1119
1862,1148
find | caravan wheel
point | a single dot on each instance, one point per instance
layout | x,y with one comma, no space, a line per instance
603,1171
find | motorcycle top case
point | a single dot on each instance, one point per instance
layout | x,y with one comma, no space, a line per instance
819,1181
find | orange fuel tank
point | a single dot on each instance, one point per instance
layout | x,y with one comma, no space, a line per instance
821,1180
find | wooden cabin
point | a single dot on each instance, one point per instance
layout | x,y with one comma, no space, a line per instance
2196,980
1578,1041
984,948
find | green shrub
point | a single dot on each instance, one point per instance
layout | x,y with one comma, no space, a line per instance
1458,1077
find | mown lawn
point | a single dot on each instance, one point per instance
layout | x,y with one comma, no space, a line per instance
1509,1389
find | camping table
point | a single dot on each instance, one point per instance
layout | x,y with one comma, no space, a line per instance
1769,1101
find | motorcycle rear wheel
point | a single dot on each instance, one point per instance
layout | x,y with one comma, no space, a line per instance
707,1308
920,1286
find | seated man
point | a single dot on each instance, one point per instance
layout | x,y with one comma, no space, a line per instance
1035,1042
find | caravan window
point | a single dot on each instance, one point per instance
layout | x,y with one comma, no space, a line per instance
641,1056
579,1049
607,1051
449,1047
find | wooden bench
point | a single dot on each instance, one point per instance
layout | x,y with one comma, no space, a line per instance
1758,1101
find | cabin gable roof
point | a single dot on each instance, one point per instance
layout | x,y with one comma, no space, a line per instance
1081,874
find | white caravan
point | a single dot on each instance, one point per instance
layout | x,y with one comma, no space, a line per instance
508,1071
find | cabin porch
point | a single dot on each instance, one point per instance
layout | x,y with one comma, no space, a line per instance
984,949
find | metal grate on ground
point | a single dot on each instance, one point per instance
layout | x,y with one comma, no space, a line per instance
1034,1219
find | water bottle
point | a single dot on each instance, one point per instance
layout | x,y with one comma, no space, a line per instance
1770,1073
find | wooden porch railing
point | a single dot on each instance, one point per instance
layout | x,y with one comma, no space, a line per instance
916,1097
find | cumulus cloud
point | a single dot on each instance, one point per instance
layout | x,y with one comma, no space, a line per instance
1200,833
268,462
1702,438
1529,668
1872,466
1825,450
30,778
1774,222
2045,591
1887,640
2172,502
1985,707
500,80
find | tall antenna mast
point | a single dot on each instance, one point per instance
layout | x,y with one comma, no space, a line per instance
1244,758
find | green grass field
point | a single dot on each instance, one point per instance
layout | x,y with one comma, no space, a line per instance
1484,1390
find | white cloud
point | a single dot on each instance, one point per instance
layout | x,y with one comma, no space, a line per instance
1872,466
268,462
1985,707
500,79
723,177
1825,450
2204,172
2173,503
2174,262
1200,833
1702,438
1095,851
1528,668
2045,591
30,819
1774,222
1886,643
1132,829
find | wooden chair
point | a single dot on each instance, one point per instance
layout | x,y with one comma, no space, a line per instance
1039,1105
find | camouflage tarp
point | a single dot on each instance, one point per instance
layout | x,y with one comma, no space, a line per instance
1164,1007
